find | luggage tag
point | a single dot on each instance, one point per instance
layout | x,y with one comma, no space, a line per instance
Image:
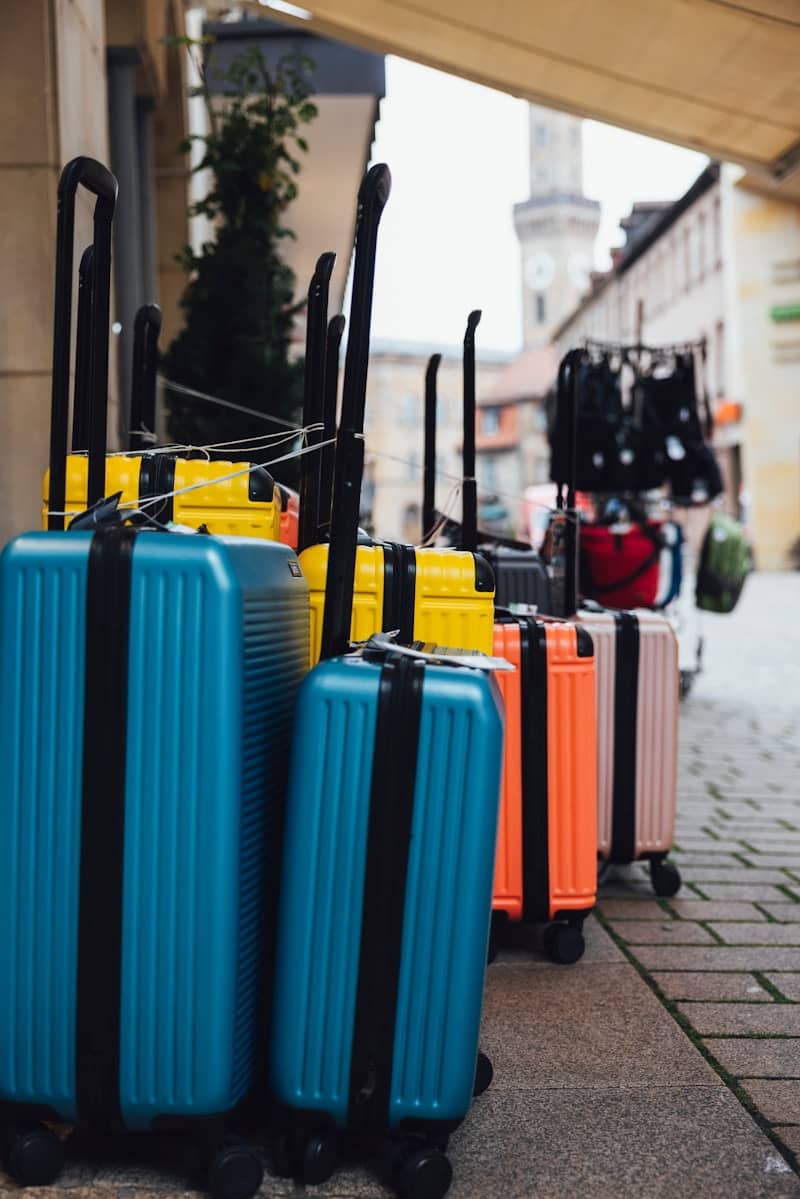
381,644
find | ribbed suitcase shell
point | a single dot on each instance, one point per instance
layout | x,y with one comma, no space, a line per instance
448,892
520,578
571,777
225,507
656,729
218,642
448,609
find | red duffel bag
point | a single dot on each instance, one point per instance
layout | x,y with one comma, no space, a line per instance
620,569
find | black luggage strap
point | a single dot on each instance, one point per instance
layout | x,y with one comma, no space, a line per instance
626,691
97,1024
535,768
394,772
157,477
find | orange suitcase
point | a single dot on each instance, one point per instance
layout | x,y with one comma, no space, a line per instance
546,871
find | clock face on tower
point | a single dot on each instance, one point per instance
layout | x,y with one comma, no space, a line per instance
579,269
540,270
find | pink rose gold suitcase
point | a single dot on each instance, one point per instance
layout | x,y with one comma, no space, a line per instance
636,672
637,683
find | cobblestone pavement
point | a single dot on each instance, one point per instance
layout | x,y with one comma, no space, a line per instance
724,955
666,1063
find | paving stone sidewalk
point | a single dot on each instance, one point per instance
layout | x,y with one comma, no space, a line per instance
665,1064
724,955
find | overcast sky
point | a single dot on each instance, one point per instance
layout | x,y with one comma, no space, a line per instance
459,159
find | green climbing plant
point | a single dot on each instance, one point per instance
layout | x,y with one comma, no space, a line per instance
239,302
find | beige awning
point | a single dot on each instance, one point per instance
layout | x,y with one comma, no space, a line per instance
720,76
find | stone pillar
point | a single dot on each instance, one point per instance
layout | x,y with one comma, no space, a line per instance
52,96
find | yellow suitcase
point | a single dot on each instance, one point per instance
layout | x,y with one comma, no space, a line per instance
442,596
222,496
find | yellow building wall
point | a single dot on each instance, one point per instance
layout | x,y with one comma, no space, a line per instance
766,231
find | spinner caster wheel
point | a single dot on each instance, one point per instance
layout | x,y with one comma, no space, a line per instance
484,1073
320,1158
236,1171
665,878
563,943
34,1156
425,1174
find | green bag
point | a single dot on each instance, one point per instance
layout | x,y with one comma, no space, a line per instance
725,562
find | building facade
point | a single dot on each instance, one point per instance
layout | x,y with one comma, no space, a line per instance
394,431
722,265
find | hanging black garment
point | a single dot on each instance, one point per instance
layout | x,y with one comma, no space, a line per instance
691,467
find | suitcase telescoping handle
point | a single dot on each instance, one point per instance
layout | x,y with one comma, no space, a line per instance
314,397
98,180
429,470
80,403
349,462
567,411
332,349
146,329
469,520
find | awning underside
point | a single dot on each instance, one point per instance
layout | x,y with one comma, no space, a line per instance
718,76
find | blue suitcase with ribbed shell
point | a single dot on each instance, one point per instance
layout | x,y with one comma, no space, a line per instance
383,920
146,700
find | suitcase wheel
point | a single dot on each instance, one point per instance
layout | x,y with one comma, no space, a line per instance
484,1073
236,1171
563,943
34,1156
425,1173
665,877
310,1158
320,1158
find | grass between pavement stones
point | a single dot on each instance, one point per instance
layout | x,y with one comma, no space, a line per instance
699,1042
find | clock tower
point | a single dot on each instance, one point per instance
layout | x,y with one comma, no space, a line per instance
556,225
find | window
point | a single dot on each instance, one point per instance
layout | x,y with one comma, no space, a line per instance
687,259
701,246
489,473
541,308
490,421
541,135
412,468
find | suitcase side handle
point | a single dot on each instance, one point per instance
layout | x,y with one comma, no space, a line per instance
98,180
313,396
349,460
469,519
146,329
332,349
429,469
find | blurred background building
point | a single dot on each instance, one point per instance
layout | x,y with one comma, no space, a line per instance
395,432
